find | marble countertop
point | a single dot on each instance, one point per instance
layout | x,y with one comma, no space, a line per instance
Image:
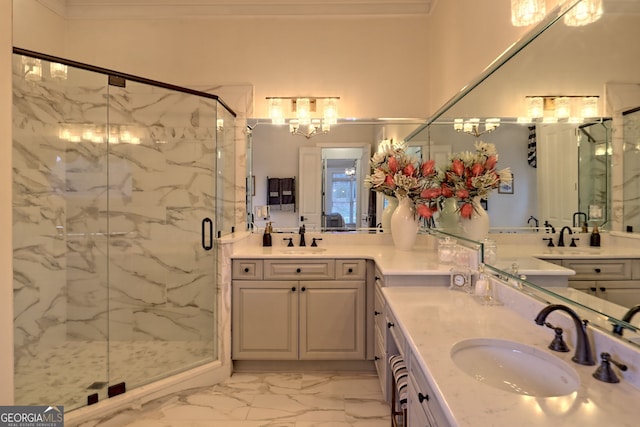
434,319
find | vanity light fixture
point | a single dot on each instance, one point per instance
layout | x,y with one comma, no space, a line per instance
32,69
472,126
58,71
302,111
584,13
569,108
527,12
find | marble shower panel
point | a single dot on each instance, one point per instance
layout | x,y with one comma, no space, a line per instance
107,231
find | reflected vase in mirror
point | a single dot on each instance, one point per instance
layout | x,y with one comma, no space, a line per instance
392,204
404,225
449,218
477,227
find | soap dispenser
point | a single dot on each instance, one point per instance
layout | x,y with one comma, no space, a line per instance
266,237
595,236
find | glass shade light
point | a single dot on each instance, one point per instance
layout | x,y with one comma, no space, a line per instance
584,13
535,107
491,124
58,71
458,124
590,106
32,69
527,12
562,107
220,124
303,110
276,112
330,111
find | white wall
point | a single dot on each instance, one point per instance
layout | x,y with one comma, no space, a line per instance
6,250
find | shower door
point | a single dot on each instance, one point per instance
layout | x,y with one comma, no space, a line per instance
162,292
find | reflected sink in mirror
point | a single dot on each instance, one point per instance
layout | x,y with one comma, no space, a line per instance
301,251
514,367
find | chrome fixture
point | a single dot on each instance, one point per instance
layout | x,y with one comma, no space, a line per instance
617,329
300,113
583,354
472,126
561,238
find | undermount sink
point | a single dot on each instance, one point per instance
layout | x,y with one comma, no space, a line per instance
301,251
515,367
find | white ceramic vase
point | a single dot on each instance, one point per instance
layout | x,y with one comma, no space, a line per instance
449,217
392,204
477,227
404,225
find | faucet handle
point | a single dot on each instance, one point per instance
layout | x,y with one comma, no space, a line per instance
558,343
605,372
550,239
290,239
314,241
573,242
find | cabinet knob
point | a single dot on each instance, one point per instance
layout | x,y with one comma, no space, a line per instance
293,288
376,358
376,313
603,289
350,270
377,277
298,270
592,289
597,270
390,325
303,289
423,397
246,269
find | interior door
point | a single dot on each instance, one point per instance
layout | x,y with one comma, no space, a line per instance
310,188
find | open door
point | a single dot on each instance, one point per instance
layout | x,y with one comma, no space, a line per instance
310,188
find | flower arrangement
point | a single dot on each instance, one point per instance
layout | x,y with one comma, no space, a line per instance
393,172
468,175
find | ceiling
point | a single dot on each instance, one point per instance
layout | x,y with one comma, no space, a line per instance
154,9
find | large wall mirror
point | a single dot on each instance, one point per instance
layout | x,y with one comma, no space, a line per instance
585,167
578,166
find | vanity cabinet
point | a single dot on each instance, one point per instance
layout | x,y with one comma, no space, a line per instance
614,280
299,309
423,408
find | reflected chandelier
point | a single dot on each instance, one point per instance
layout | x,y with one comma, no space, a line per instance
302,108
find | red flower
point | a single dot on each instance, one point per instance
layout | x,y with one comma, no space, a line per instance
430,193
466,210
428,167
446,191
457,167
389,181
462,194
409,170
477,169
393,164
491,162
424,211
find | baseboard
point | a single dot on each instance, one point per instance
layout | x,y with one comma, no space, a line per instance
338,366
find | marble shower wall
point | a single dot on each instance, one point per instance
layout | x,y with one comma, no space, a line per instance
111,186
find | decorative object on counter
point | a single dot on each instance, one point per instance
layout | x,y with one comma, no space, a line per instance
404,225
446,250
448,219
480,287
266,237
476,226
595,236
460,279
392,204
490,251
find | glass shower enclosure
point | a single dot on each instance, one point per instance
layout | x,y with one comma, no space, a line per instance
116,205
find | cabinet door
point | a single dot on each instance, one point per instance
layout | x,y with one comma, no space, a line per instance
332,320
265,320
625,297
417,415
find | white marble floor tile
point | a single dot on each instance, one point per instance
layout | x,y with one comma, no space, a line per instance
266,400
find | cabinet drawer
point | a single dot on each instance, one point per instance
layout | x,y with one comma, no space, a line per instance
247,269
351,269
393,329
587,269
378,310
299,269
431,403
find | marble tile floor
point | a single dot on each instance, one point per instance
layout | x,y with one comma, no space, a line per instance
266,400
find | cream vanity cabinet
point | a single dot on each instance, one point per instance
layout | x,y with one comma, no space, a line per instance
615,280
299,309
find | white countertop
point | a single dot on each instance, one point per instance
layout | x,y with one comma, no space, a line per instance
434,319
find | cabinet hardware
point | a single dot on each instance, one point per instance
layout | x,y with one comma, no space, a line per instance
593,289
293,288
246,269
376,358
603,289
377,277
376,313
303,289
298,270
423,397
350,270
597,270
390,325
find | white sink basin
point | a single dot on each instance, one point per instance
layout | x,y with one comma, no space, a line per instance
301,251
515,367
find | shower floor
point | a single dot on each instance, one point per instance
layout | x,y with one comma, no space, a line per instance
68,373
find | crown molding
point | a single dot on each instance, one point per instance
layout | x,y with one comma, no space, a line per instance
158,9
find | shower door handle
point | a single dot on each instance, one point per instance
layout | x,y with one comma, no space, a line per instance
207,224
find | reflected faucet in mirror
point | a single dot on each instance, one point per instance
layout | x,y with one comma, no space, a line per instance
548,226
617,329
